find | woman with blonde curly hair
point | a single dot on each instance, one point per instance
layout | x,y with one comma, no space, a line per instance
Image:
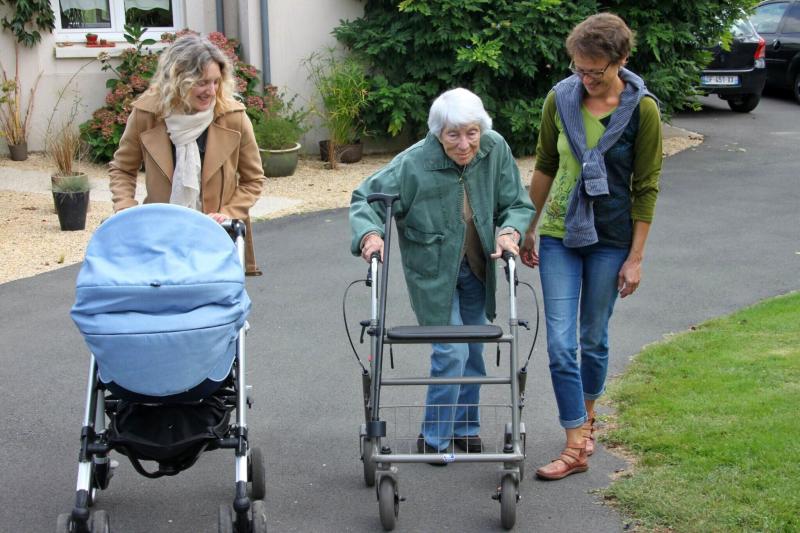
194,138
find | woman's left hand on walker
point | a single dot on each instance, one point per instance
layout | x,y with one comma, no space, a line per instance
219,218
506,242
629,277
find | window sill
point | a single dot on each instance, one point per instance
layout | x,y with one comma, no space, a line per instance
80,50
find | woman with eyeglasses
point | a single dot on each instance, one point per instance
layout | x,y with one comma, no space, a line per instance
598,161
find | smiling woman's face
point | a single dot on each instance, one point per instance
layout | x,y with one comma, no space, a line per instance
461,143
204,93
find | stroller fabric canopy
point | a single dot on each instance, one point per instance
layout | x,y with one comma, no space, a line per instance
160,299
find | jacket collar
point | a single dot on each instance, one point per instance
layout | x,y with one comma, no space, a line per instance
436,159
221,141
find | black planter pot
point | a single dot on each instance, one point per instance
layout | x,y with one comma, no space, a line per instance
71,208
345,153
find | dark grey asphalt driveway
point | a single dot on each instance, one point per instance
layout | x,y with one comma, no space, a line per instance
726,235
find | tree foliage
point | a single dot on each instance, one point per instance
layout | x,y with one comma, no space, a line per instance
511,53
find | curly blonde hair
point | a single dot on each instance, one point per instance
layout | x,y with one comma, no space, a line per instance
181,66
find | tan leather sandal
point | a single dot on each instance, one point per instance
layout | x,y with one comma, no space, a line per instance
587,430
571,461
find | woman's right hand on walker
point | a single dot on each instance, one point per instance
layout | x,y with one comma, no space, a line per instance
527,251
373,243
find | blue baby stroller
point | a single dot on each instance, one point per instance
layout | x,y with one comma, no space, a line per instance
161,303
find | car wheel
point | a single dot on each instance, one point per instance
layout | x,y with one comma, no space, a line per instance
796,87
744,103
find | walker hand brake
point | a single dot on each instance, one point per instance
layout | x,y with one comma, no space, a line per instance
364,325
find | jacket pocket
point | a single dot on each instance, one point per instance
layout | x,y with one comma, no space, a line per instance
422,251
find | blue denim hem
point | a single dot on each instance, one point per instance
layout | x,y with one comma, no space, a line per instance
572,424
587,396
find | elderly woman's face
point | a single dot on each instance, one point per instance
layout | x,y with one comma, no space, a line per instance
204,93
461,143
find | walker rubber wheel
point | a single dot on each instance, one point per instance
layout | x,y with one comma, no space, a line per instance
368,447
508,502
388,503
257,472
225,520
259,512
99,522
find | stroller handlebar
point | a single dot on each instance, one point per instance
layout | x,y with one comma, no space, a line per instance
234,227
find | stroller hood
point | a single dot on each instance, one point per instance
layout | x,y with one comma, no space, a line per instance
160,299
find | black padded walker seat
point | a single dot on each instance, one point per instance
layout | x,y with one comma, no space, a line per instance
422,334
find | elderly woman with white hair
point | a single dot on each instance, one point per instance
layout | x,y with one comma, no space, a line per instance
461,205
194,138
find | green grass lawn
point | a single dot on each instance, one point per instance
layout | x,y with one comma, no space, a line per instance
713,418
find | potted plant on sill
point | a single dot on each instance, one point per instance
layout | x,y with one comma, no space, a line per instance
343,88
24,20
278,131
91,38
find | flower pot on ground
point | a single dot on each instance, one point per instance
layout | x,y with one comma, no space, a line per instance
343,88
345,153
278,132
71,199
18,152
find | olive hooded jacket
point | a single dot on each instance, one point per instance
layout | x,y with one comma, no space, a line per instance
430,220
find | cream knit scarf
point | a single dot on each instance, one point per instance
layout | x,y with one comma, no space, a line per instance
183,132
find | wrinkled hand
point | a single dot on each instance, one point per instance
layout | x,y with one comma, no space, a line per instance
506,242
629,277
373,243
219,218
528,253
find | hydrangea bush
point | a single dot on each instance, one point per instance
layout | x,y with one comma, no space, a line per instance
136,67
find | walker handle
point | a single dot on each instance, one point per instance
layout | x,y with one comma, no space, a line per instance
387,199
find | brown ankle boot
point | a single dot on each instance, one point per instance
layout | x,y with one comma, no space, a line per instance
571,461
587,430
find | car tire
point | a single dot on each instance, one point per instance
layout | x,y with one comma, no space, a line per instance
744,103
796,87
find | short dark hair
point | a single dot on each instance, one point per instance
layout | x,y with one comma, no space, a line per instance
603,35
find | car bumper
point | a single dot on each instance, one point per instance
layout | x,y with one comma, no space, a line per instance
733,82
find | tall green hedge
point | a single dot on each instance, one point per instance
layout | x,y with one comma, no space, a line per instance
512,52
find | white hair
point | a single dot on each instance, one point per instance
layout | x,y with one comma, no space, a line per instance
455,108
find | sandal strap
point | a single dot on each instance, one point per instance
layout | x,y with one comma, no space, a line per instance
571,455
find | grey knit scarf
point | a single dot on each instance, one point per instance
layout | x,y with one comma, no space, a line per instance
593,181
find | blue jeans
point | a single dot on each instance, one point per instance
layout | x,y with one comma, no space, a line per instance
453,409
578,279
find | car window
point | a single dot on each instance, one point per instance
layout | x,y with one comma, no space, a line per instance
742,29
792,21
767,18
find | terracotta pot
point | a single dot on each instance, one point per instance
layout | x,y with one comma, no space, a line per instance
19,152
345,153
279,163
91,39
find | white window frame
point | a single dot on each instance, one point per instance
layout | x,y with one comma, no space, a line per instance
116,31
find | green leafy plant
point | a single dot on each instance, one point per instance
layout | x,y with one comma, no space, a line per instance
71,184
343,88
25,20
281,124
511,53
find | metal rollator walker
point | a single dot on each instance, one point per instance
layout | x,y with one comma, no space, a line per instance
377,454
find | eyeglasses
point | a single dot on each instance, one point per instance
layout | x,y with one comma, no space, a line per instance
593,74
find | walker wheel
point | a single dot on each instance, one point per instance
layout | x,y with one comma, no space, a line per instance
99,522
225,518
388,502
508,501
259,512
257,474
368,447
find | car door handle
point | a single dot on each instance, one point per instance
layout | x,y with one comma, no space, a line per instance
776,44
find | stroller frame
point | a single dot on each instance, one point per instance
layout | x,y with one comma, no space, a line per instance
95,468
378,460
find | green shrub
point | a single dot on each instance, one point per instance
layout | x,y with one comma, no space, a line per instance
511,53
277,133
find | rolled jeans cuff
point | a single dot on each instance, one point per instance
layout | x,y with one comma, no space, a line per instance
587,396
572,424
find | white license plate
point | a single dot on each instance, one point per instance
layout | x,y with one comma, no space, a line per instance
719,80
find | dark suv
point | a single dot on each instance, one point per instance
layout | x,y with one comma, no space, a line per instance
778,22
737,75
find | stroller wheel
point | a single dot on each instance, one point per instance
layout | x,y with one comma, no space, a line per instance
226,517
259,512
257,473
63,523
99,522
